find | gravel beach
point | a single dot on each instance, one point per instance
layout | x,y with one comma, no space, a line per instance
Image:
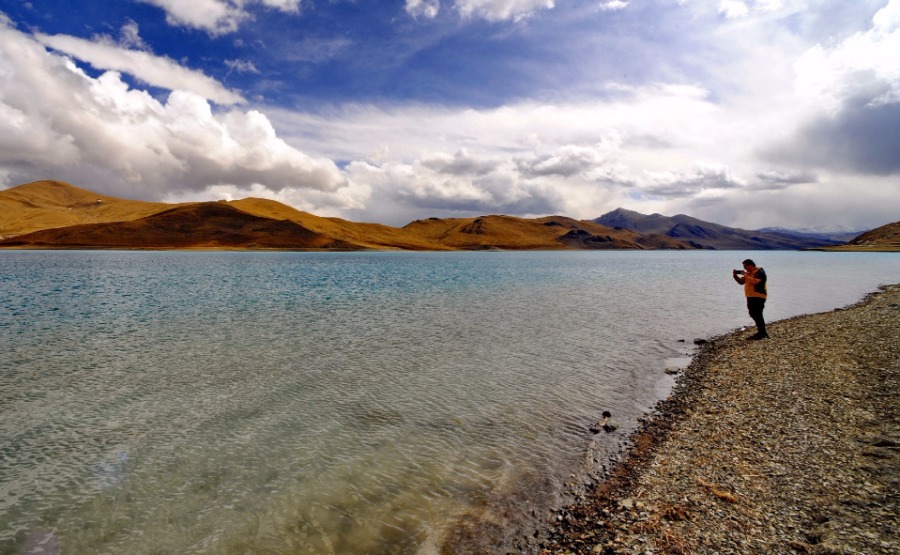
786,445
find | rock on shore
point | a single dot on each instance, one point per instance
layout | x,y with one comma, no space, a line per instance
788,445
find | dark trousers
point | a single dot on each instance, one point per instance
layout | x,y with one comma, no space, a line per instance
755,306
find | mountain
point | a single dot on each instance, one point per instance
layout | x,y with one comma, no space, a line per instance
708,235
881,239
199,225
53,214
554,232
363,235
837,235
48,204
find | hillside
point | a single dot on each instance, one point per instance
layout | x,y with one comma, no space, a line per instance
201,225
508,232
51,204
364,235
53,214
708,235
881,239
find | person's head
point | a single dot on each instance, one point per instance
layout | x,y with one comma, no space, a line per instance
748,264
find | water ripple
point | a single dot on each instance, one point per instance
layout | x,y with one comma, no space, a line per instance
347,403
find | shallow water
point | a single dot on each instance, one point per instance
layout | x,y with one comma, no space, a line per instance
342,402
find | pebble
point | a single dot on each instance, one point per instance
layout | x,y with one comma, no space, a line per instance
778,447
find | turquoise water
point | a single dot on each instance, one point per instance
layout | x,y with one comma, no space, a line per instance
174,402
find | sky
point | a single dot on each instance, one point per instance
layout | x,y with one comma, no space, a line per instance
747,113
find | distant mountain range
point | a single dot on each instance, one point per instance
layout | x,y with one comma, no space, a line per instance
707,235
842,235
53,214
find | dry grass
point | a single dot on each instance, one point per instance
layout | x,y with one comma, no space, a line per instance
671,543
717,492
674,513
54,204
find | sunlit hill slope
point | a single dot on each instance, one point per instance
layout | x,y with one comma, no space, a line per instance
53,214
881,239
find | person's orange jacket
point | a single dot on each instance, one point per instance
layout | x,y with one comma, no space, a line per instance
755,284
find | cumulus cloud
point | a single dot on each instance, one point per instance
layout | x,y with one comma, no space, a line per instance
216,17
102,133
462,163
565,161
213,16
578,159
154,70
701,180
409,189
634,143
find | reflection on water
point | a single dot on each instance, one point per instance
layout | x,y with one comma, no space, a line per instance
339,403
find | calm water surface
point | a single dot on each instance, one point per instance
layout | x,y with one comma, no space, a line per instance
171,402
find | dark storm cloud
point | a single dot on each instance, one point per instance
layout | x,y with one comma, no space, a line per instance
776,179
863,137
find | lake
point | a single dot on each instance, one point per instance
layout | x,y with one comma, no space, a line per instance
343,403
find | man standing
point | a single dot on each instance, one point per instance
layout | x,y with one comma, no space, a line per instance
754,281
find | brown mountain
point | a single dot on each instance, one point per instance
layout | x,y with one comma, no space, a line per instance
884,238
364,235
52,214
49,204
200,225
553,232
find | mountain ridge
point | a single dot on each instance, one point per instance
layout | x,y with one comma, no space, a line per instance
708,235
54,214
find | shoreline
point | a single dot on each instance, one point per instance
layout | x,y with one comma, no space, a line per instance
790,445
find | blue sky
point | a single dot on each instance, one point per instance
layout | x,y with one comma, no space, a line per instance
749,113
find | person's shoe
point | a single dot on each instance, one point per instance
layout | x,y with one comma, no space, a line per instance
757,337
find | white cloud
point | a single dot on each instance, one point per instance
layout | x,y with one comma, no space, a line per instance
864,61
58,122
287,6
578,159
499,10
154,70
213,16
423,8
461,163
565,161
722,144
703,179
732,9
492,10
216,17
611,5
241,66
130,37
